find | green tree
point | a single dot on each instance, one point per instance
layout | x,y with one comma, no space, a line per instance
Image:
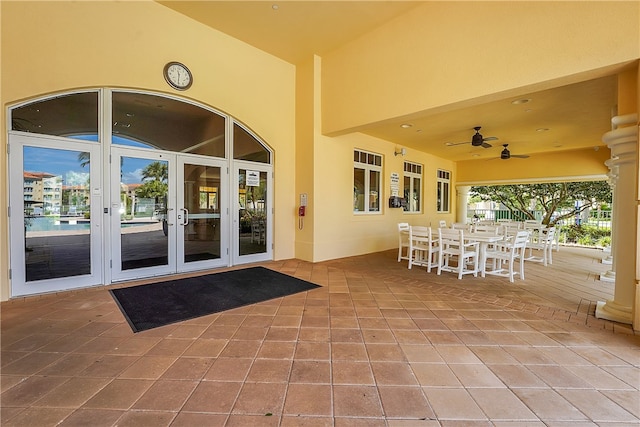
154,177
550,198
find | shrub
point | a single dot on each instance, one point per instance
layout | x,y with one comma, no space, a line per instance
586,235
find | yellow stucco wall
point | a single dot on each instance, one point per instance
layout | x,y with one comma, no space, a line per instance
48,47
325,172
343,233
443,53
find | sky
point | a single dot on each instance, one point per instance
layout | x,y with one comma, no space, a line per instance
65,163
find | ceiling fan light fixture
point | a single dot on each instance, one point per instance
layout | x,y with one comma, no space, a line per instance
505,154
521,101
477,139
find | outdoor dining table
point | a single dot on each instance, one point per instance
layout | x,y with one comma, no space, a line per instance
485,239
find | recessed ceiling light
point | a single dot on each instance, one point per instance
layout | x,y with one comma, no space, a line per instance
406,125
275,7
521,101
475,155
542,129
448,144
418,130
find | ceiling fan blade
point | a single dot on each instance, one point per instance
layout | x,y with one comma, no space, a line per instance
485,145
490,138
451,144
520,156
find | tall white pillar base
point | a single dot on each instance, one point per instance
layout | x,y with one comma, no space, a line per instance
610,310
609,276
636,312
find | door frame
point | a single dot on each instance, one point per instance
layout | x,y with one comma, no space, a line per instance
101,207
17,255
223,201
174,217
236,258
117,274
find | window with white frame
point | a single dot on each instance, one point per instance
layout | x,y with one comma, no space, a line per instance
443,191
367,181
412,187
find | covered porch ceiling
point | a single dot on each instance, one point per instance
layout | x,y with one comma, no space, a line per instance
569,115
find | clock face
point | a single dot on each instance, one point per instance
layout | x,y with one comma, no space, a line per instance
178,75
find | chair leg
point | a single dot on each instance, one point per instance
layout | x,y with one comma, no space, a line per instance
475,265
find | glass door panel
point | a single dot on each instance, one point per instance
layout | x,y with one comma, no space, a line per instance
142,215
199,218
253,229
55,229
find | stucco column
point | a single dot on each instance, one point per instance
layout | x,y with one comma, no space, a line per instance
623,142
462,193
610,275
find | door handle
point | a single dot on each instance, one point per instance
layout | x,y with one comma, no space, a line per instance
168,223
186,216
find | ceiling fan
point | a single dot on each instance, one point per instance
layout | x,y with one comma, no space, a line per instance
506,154
477,140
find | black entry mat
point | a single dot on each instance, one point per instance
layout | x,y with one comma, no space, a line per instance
162,303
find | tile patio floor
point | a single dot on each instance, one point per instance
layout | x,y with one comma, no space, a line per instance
377,345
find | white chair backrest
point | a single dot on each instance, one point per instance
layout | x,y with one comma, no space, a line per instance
403,226
419,234
503,220
483,228
532,225
460,226
547,235
520,239
450,236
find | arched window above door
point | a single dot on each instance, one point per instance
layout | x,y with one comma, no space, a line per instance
247,146
71,116
140,119
163,123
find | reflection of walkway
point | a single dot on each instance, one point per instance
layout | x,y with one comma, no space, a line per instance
53,256
67,253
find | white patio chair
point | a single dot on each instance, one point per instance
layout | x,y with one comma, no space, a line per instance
452,245
423,247
544,244
510,229
258,228
534,227
508,253
403,240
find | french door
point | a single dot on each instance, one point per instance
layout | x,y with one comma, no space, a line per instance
167,212
252,228
55,214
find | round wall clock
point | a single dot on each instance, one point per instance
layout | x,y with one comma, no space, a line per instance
178,75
